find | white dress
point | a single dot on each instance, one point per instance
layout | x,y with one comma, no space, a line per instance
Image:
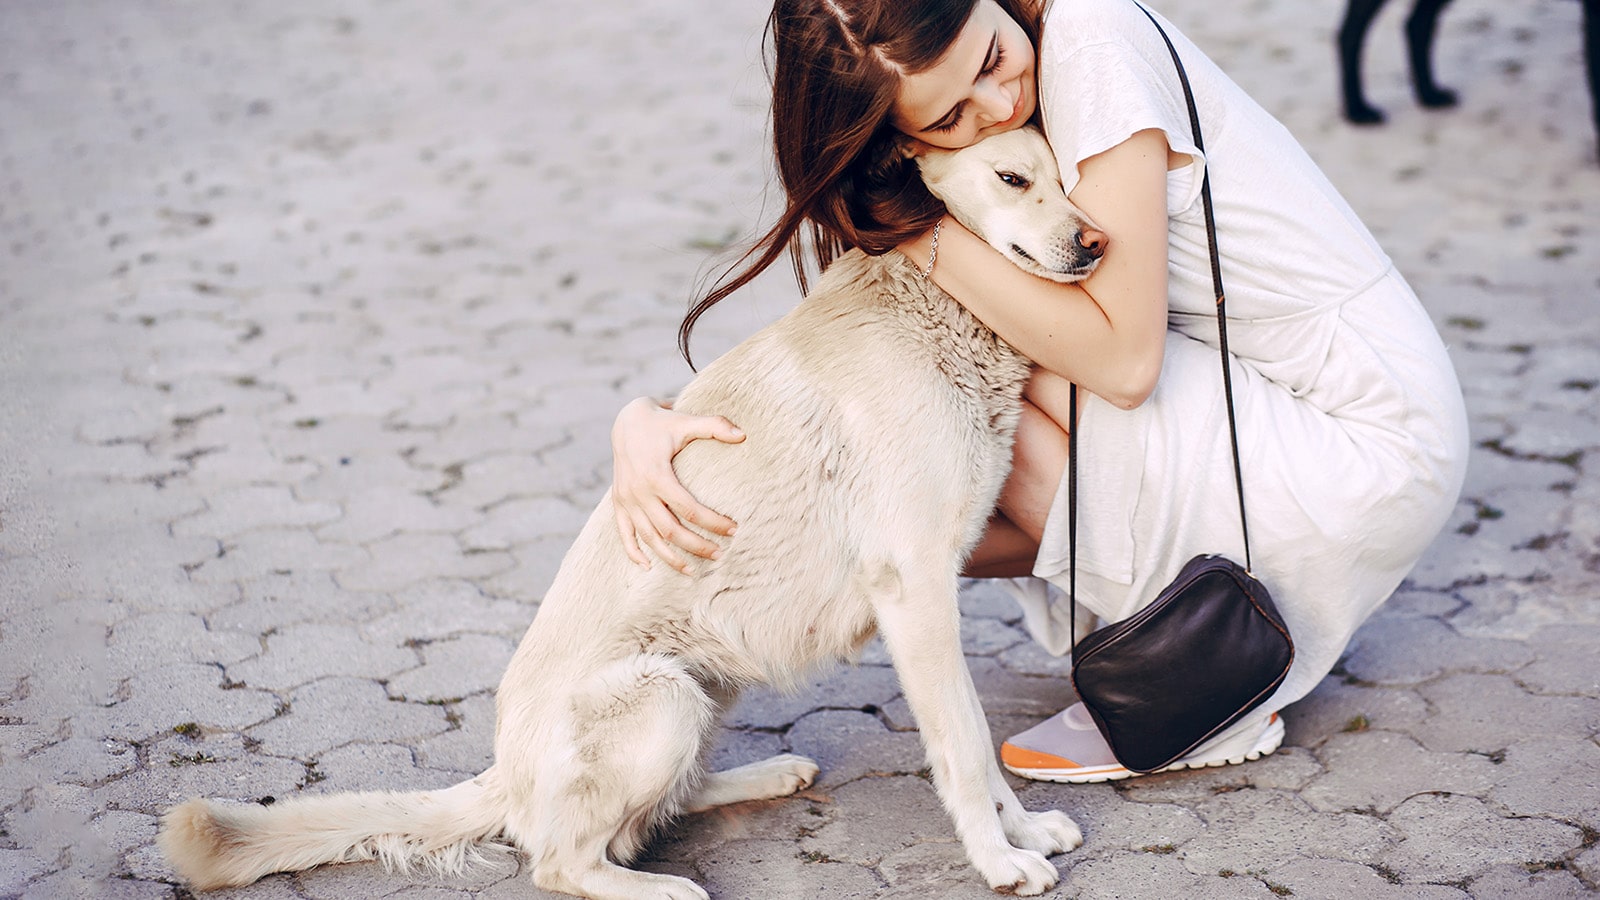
1352,430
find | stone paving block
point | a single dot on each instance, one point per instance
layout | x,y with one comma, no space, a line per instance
1445,838
377,767
151,641
534,569
1329,879
1565,661
582,466
84,761
732,748
1131,876
508,523
491,479
754,868
1258,828
114,463
255,554
1552,433
401,560
468,747
278,600
303,653
82,886
438,407
1004,692
848,745
1557,777
333,712
1290,768
232,512
1489,470
358,471
454,668
1517,610
877,817
1587,864
441,608
1028,658
218,765
935,869
988,597
18,868
1517,883
988,637
852,687
237,460
1390,650
1379,770
1337,706
160,699
117,834
474,436
381,512
1457,559
1108,820
1474,712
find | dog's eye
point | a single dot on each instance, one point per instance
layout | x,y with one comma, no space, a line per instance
1013,179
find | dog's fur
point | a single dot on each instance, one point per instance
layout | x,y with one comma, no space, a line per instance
880,417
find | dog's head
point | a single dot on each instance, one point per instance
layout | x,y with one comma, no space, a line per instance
1007,190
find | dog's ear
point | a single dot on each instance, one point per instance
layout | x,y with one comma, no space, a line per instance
909,147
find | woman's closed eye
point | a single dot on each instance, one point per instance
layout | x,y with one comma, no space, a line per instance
961,110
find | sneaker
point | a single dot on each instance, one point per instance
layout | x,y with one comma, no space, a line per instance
1067,747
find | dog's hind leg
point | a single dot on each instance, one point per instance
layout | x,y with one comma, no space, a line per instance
630,762
1358,16
920,622
1420,29
779,776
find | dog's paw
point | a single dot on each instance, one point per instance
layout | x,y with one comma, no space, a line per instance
1025,873
1049,832
782,775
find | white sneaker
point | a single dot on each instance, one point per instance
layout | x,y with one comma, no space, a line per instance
1067,747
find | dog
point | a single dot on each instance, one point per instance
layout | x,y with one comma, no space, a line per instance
880,417
1421,26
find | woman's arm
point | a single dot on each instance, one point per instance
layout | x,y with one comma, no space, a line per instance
1107,332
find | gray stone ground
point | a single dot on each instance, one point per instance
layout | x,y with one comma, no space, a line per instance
313,318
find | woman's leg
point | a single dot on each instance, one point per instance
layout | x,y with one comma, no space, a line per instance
1038,461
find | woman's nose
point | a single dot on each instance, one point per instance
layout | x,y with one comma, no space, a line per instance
995,103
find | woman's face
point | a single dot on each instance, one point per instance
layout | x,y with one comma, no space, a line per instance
983,85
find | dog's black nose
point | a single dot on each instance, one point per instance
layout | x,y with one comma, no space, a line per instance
1093,242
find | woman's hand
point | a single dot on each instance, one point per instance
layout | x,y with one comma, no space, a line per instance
651,505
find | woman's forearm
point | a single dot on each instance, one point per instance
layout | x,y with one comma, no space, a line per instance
1114,353
1106,333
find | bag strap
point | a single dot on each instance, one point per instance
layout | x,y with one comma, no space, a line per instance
1222,341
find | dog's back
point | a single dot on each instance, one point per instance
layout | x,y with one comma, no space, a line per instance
878,415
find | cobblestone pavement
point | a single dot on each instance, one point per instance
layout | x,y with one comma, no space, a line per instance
313,319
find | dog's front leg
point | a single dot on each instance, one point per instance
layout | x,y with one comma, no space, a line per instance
1049,831
920,623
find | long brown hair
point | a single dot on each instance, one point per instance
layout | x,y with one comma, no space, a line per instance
836,67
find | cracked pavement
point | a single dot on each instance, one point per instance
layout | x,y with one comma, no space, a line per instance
313,320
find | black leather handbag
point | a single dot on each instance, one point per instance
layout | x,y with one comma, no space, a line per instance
1212,645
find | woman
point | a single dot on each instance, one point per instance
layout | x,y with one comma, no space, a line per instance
1352,428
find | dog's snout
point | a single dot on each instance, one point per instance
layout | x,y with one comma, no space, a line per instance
1093,242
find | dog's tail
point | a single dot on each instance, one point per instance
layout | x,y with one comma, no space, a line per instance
213,845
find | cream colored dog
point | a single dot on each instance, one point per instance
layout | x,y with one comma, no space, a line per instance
880,417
